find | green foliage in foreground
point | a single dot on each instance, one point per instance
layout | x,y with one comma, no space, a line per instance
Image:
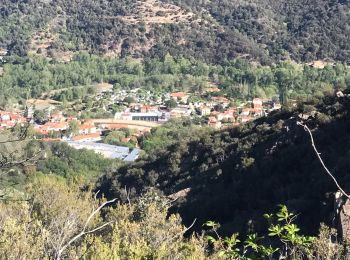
289,244
53,213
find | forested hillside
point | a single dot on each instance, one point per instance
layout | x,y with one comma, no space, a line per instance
236,175
228,85
300,30
213,31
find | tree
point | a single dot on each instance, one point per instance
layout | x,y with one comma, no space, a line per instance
40,116
73,128
18,153
58,223
129,100
114,137
171,103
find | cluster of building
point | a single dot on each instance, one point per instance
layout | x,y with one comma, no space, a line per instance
137,111
230,115
86,131
87,136
9,120
235,115
146,96
219,110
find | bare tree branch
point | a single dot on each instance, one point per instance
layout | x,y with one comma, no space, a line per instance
95,197
9,160
22,136
306,128
7,163
184,231
127,196
84,232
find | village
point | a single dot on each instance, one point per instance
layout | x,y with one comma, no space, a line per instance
137,112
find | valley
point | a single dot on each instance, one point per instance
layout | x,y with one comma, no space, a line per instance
174,129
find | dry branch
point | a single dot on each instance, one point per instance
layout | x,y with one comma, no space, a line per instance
306,128
84,231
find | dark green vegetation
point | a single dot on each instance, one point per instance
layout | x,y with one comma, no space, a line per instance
237,79
74,164
171,132
300,30
21,159
213,31
238,174
19,20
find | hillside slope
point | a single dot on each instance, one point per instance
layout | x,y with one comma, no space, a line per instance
236,175
266,31
300,30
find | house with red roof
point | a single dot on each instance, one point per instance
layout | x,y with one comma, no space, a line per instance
7,124
61,126
50,126
257,103
213,122
180,96
57,118
19,119
221,100
56,127
8,119
227,115
88,127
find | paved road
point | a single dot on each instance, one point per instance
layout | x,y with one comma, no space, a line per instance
137,123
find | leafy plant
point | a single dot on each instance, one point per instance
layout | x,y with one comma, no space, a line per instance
281,227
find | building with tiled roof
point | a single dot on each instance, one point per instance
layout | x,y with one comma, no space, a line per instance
87,128
180,96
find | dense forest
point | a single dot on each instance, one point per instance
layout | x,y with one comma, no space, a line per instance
35,77
302,31
213,31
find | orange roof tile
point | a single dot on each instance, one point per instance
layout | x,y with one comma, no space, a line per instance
178,94
86,127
